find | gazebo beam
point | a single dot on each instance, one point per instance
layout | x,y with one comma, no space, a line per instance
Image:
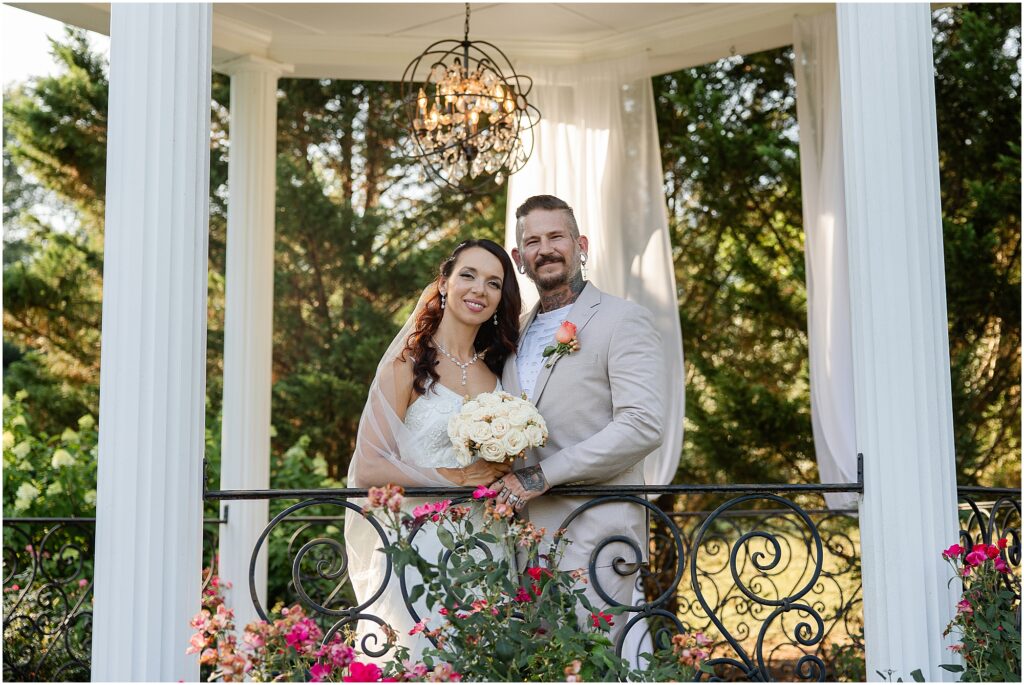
248,323
900,346
153,359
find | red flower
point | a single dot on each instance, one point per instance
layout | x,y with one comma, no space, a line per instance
318,672
536,572
976,557
1002,543
362,673
601,618
522,596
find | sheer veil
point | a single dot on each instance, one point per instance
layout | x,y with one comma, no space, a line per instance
385,453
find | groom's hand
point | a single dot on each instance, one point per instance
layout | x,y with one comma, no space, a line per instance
519,487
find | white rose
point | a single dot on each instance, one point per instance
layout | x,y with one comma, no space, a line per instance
534,435
519,417
479,432
514,442
61,458
484,414
488,399
500,426
470,407
493,451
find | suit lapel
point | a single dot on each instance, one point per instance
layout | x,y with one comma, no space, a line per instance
582,311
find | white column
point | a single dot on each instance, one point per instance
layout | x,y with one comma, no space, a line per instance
153,360
248,324
900,346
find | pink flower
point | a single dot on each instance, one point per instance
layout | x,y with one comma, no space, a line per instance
82,582
976,557
953,551
419,627
196,643
566,332
318,672
359,672
431,509
523,596
1001,565
414,671
956,648
702,639
600,618
297,636
482,492
964,607
966,571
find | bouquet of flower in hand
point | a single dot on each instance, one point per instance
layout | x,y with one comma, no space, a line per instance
496,426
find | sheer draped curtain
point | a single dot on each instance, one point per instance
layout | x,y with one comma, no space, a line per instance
826,253
596,147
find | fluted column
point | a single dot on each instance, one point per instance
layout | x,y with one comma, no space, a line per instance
900,345
248,323
153,358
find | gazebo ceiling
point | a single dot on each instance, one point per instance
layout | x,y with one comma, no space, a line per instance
377,40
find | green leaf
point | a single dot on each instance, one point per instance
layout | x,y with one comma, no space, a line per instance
952,668
917,675
445,538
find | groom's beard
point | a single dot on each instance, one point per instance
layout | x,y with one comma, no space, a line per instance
550,281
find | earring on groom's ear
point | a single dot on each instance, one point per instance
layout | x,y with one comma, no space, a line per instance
521,268
583,265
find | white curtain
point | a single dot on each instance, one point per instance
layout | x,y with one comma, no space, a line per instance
828,293
596,147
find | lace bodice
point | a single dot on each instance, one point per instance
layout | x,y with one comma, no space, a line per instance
427,420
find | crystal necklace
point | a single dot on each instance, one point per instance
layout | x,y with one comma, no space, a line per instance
463,366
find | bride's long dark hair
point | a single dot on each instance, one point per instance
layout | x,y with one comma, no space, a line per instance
493,343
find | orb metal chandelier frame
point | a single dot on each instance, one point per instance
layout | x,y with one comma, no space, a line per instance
466,112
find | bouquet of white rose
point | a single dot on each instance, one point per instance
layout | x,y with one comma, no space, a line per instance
496,426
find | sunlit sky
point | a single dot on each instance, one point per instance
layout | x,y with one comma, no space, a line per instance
24,48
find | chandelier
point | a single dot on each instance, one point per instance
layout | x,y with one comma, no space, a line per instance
466,112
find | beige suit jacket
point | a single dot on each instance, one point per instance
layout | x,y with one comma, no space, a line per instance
604,411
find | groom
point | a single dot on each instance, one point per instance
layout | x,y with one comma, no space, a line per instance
602,401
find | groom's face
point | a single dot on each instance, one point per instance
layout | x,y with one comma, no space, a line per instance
549,251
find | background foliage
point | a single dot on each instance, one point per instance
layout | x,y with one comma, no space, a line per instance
358,235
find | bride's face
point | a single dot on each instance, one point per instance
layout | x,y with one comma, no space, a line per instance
473,289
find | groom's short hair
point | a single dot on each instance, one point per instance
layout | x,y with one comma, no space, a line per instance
546,202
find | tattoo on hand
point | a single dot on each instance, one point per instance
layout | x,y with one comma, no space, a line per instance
532,479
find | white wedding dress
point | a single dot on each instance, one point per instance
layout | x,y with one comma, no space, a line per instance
426,420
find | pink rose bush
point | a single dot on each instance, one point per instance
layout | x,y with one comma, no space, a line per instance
985,620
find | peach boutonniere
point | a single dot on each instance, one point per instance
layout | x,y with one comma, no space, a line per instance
565,343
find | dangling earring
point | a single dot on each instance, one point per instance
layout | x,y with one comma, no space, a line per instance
521,268
495,318
583,265
442,300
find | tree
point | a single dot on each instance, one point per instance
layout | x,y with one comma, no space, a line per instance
977,89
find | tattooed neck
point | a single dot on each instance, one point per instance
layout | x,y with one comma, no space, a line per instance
532,479
563,295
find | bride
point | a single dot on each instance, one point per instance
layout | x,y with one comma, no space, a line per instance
453,345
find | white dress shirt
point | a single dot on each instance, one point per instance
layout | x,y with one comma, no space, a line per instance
539,335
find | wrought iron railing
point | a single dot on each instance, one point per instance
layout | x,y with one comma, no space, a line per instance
768,570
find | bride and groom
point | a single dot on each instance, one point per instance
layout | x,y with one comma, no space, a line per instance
601,402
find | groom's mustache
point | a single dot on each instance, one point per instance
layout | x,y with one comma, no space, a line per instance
553,259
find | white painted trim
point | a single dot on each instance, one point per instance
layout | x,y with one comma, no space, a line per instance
248,324
153,359
900,341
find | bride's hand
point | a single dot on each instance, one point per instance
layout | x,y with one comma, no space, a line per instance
477,473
